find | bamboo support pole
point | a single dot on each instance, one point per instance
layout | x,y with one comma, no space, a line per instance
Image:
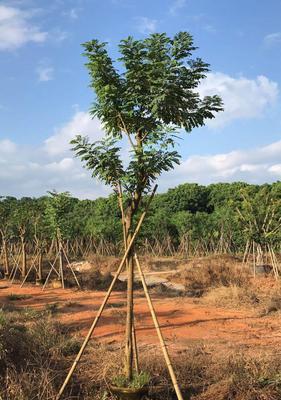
159,333
274,266
94,324
254,260
31,267
49,274
135,348
70,267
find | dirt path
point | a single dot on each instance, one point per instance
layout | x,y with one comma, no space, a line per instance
183,320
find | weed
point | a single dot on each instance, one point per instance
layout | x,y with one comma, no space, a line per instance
52,308
73,304
15,297
139,380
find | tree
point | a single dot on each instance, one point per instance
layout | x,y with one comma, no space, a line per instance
6,208
147,101
22,224
59,222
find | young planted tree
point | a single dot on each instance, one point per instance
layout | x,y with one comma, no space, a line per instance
6,207
147,100
59,224
38,238
22,226
260,218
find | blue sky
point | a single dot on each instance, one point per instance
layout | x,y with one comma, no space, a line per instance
44,94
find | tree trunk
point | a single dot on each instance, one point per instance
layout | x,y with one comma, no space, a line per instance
6,258
61,263
40,259
130,302
23,257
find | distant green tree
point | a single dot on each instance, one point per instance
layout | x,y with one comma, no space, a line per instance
58,210
187,197
260,215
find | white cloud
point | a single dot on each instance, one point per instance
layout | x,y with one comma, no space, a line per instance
31,171
16,29
72,13
81,123
257,166
146,25
63,165
45,73
58,35
176,6
276,169
209,28
242,97
272,38
7,147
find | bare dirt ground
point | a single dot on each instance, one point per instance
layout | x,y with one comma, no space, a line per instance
183,320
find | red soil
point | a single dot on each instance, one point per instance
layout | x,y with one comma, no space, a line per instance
183,320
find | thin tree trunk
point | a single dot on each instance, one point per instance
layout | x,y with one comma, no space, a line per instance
6,258
130,305
40,259
23,257
61,264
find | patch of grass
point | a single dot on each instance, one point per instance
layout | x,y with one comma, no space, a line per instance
272,302
95,280
139,380
73,304
15,297
9,307
52,308
164,291
117,305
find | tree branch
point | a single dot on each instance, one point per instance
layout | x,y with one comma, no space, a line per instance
126,130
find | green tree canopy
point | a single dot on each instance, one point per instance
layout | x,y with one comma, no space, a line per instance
153,95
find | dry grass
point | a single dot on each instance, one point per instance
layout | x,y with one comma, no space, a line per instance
36,353
93,279
224,282
206,273
203,374
231,296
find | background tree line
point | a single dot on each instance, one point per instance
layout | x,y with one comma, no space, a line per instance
190,219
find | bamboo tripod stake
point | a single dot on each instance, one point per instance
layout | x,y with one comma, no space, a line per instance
94,324
61,252
159,333
155,321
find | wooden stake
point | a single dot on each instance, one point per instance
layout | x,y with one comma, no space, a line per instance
31,267
254,259
135,348
159,333
71,269
49,274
